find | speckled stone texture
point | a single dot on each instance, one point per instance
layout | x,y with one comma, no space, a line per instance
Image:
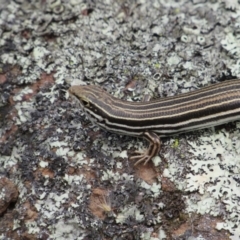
67,179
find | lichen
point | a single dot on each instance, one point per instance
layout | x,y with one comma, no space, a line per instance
56,157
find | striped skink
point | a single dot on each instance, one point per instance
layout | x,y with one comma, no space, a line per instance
209,106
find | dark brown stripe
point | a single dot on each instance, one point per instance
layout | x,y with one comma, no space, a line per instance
190,110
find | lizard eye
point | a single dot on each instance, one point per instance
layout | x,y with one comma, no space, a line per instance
85,103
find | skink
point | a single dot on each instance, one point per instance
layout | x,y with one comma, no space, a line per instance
209,106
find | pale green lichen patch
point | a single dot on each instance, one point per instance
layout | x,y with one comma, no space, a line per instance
128,211
214,167
153,189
